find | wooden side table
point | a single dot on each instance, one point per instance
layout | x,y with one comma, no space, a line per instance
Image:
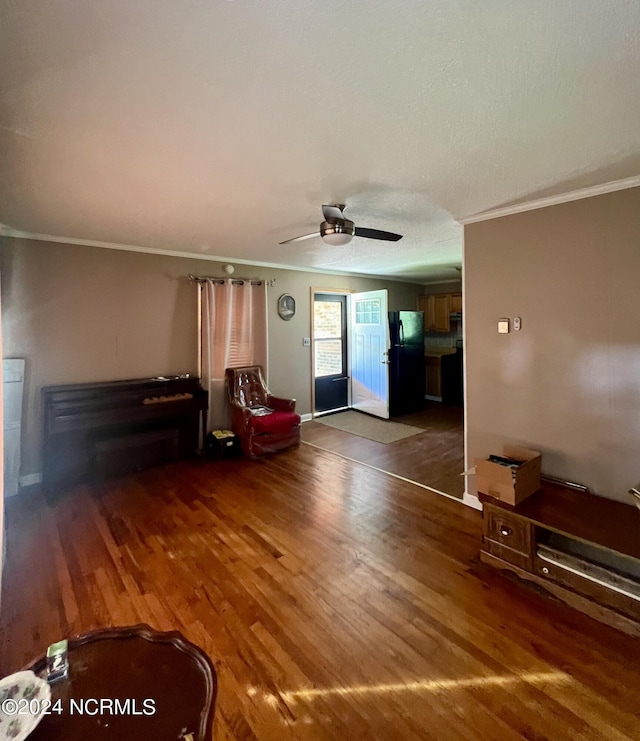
131,683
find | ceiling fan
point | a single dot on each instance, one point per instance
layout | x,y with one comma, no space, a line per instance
337,231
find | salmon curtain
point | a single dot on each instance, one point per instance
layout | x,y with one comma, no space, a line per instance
234,333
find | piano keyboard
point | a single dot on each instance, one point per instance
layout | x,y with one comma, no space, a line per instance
162,399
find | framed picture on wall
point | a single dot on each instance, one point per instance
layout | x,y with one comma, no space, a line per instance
286,307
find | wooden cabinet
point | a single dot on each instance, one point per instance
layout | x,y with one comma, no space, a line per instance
433,377
428,305
442,312
583,549
507,536
508,529
433,370
438,308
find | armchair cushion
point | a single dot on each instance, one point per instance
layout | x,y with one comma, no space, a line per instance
275,422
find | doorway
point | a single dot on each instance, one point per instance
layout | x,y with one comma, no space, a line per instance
363,345
369,327
331,379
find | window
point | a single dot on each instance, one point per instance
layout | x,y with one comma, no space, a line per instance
327,333
368,312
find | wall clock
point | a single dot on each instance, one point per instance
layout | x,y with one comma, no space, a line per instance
286,307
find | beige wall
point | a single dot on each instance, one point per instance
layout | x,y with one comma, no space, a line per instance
569,382
80,314
453,286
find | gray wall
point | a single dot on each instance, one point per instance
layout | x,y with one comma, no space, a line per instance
81,314
568,383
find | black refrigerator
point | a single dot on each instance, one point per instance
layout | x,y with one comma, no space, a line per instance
406,362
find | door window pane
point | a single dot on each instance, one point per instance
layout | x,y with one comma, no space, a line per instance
327,319
328,358
368,311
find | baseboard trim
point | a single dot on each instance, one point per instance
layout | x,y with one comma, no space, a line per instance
328,412
471,500
30,479
306,417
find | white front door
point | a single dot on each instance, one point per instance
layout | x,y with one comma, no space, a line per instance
370,352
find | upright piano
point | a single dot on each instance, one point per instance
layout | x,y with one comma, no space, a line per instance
95,430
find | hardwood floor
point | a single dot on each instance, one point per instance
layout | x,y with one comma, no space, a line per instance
336,602
433,458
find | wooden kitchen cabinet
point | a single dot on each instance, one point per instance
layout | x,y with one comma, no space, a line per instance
433,377
428,305
437,309
442,311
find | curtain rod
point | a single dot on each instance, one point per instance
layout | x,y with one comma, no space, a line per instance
252,281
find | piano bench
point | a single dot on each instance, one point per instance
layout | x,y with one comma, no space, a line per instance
118,455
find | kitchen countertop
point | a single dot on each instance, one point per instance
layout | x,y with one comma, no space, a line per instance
438,352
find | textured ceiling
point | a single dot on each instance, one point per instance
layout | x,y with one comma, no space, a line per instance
220,127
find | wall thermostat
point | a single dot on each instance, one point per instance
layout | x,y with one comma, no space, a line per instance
503,325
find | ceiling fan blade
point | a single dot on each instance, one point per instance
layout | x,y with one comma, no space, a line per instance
333,212
299,239
377,234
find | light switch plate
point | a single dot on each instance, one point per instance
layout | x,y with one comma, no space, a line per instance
517,324
503,325
306,342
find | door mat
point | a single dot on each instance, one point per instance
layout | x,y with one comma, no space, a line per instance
373,428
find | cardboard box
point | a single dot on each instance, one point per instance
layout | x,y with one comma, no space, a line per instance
510,485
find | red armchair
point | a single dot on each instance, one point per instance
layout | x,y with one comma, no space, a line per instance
263,422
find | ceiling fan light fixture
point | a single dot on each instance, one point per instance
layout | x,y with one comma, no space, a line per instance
337,235
338,231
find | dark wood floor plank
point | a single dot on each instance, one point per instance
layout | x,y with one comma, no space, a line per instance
336,602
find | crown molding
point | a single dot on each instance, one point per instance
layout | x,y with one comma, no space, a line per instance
444,281
7,231
575,195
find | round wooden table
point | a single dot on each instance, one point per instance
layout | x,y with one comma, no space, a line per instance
130,683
